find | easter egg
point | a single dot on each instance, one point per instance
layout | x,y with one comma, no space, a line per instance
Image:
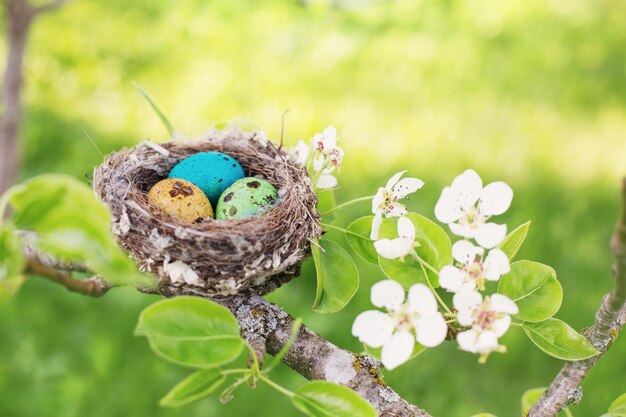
212,172
181,199
247,197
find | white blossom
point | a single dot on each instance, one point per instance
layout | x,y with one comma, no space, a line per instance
180,272
487,320
473,268
325,142
385,202
400,246
300,152
465,207
321,157
405,321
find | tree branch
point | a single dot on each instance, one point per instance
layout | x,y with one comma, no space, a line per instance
93,287
20,15
565,388
267,328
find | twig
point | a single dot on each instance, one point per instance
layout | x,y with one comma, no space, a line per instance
565,388
282,128
93,287
29,242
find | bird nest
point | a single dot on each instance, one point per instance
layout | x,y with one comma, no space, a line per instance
226,256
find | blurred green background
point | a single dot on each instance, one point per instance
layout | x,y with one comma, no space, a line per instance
532,93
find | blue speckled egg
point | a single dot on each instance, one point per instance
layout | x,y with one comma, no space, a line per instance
212,172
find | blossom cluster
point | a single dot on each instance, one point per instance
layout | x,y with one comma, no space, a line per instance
466,207
321,157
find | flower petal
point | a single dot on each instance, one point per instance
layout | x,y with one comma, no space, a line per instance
487,342
388,294
422,300
431,330
451,278
330,132
495,199
378,220
503,304
397,350
489,235
500,326
463,231
396,209
326,181
465,317
407,186
329,139
467,340
300,152
465,303
393,248
406,228
393,180
318,163
468,187
465,252
378,202
373,328
496,264
447,209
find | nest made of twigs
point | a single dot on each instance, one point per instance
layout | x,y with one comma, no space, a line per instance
229,256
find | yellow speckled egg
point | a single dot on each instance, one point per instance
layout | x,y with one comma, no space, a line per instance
181,199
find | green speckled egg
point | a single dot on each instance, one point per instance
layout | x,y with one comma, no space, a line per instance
179,198
247,197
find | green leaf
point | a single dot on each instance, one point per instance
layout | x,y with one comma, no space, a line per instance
156,109
484,415
197,385
337,277
535,289
73,224
434,248
513,241
325,399
191,331
11,253
558,339
362,246
11,262
326,202
618,407
529,398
